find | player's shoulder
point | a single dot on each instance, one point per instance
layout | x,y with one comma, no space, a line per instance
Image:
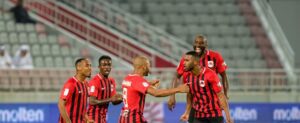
215,54
136,77
71,81
96,77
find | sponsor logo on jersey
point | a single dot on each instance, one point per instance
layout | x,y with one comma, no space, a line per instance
145,84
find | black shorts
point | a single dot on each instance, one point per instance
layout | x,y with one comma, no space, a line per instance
191,115
208,120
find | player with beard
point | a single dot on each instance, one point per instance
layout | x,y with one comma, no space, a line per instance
207,97
135,87
72,102
102,91
208,59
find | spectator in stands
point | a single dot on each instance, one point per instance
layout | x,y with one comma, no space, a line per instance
5,59
23,59
20,13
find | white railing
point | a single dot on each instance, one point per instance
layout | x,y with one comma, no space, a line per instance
133,26
240,80
275,33
84,29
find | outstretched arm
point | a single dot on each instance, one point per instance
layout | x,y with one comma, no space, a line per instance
167,92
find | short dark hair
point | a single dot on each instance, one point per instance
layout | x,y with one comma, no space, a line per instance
103,57
201,36
194,54
79,60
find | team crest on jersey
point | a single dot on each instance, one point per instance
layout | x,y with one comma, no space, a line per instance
66,92
202,83
210,64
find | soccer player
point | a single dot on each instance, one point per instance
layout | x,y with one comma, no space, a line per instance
72,102
102,91
209,58
207,97
135,88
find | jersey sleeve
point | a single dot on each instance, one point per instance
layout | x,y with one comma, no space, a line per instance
215,81
113,87
221,65
67,90
141,85
184,77
180,67
93,87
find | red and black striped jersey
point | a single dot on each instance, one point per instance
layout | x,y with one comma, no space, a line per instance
101,88
75,94
134,94
211,59
204,89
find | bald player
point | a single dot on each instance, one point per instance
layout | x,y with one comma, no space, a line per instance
72,102
135,87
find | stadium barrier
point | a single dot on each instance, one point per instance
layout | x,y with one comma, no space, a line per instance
156,112
257,80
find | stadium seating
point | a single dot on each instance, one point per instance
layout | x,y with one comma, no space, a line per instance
236,35
225,22
50,50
